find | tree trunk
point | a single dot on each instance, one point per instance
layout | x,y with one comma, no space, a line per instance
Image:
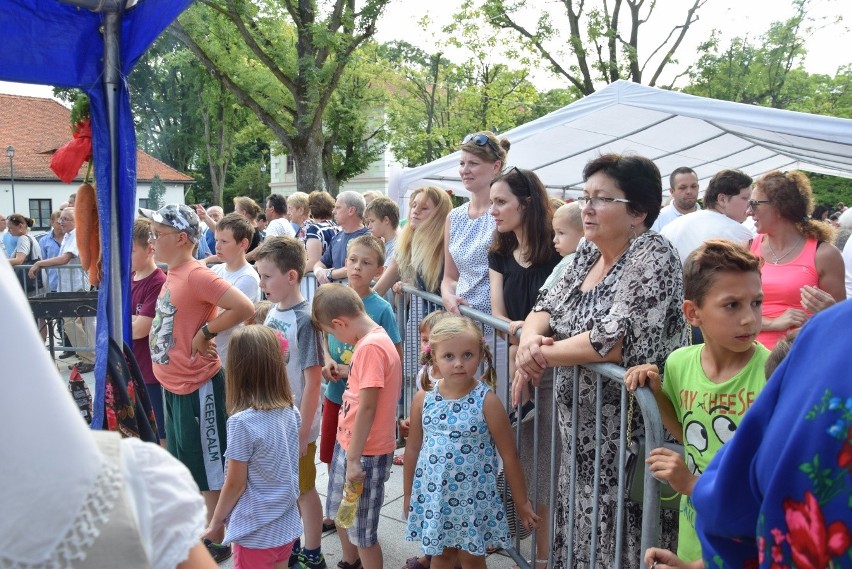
307,155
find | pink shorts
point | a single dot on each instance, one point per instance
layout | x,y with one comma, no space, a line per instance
328,434
246,558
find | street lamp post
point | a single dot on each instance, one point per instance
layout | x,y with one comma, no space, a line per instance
10,152
263,175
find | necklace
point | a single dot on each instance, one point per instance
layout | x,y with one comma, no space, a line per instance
778,259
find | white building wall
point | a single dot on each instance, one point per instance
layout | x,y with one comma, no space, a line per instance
57,193
376,178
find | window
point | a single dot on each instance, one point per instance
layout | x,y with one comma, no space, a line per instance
143,203
40,211
291,164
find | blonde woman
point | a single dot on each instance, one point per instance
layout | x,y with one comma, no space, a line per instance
419,250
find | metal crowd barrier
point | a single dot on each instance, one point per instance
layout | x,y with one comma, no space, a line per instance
414,304
51,308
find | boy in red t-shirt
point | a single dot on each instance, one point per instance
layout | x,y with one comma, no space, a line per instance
366,431
183,351
146,280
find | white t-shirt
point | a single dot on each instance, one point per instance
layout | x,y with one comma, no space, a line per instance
23,246
847,261
247,281
688,232
667,215
71,279
279,227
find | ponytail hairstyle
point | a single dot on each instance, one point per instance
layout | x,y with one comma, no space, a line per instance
790,193
452,326
427,323
19,219
486,146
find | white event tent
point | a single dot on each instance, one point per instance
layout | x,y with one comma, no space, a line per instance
671,128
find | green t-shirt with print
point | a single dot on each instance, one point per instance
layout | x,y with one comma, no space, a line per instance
709,413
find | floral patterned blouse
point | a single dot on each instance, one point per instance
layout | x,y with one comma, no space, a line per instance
639,301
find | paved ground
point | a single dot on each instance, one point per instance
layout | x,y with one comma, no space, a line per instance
391,526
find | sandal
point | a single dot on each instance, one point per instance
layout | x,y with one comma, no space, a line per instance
397,460
344,565
414,563
328,525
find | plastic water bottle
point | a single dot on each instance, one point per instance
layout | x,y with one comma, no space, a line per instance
348,505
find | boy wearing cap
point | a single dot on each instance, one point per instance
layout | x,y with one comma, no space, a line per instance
183,351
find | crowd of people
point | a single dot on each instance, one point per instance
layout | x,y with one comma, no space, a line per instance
251,372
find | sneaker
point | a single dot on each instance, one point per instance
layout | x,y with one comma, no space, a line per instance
294,553
526,413
306,562
217,551
84,368
67,355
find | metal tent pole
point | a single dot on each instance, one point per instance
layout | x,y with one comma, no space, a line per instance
112,79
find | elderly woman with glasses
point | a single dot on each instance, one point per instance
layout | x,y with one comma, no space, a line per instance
619,302
803,272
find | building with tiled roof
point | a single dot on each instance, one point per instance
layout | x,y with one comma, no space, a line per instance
36,128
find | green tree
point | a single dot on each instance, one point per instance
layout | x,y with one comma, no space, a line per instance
355,127
163,89
438,101
597,41
283,60
156,193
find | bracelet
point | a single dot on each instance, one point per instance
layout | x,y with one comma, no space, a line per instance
207,333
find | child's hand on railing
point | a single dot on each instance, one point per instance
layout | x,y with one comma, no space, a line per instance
666,464
640,375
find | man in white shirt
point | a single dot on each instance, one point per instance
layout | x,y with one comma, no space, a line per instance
683,188
277,223
726,200
81,331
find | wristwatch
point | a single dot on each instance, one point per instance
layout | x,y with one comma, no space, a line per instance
328,276
207,333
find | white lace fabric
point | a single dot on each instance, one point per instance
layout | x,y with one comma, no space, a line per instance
85,529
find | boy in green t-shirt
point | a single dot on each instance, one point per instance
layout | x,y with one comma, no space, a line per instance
708,387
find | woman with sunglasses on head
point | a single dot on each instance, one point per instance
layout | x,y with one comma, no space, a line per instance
620,301
520,259
803,272
469,227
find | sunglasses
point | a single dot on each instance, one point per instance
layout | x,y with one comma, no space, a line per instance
481,140
523,177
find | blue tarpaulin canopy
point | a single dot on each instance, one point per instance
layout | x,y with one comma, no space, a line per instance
93,45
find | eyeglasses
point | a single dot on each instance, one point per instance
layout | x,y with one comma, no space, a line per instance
599,201
154,235
754,203
523,177
481,140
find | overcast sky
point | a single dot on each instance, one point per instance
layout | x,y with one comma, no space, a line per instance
827,47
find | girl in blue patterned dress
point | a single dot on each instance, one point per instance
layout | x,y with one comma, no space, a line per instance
450,467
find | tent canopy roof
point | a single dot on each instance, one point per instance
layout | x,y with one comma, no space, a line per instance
673,129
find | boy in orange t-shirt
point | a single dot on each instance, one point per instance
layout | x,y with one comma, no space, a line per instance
183,352
366,431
